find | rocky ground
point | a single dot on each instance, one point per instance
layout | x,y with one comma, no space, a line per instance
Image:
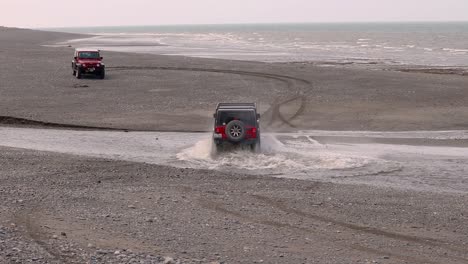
58,208
68,209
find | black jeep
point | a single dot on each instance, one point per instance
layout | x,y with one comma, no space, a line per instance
236,124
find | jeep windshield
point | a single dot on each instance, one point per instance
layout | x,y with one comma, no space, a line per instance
88,55
246,116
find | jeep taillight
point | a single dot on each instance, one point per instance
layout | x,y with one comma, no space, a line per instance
253,133
219,132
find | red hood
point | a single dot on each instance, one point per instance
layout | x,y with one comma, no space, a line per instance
89,61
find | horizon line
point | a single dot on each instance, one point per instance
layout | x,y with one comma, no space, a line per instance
260,23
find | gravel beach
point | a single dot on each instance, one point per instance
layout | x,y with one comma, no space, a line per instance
62,208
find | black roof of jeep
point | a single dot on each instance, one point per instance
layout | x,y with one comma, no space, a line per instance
236,106
237,110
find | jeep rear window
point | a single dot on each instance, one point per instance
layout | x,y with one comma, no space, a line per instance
224,117
88,55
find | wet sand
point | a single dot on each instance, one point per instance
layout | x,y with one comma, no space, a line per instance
63,208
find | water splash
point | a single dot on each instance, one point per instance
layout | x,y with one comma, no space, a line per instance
275,158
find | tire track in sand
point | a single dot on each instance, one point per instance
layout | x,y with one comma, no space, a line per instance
276,224
426,241
298,85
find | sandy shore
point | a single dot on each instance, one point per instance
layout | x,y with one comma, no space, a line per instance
179,93
60,208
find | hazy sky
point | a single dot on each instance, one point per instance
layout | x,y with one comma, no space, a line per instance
66,13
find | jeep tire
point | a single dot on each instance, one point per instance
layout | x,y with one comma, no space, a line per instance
78,73
256,146
235,131
102,74
218,148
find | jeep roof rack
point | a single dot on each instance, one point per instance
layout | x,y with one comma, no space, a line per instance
86,49
236,105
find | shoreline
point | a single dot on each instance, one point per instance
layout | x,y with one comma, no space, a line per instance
358,63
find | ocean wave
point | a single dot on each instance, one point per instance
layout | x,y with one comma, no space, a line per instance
393,48
291,46
455,50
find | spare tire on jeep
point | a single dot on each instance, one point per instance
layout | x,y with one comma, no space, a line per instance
235,131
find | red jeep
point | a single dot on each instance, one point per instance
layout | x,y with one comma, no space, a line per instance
236,124
88,61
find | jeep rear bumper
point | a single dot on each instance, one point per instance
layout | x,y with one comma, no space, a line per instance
242,142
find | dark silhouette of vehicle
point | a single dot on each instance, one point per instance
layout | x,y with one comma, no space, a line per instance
88,61
236,124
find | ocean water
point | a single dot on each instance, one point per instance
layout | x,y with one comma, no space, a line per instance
432,44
